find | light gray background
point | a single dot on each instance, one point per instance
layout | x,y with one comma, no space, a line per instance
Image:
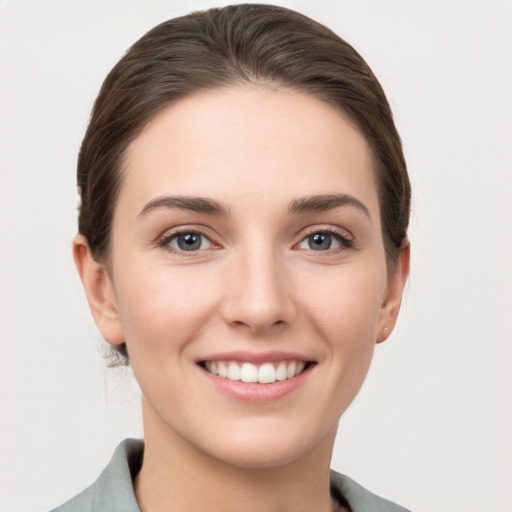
432,426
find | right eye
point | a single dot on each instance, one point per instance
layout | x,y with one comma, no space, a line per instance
188,241
321,241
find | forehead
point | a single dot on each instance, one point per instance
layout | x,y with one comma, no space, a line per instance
247,143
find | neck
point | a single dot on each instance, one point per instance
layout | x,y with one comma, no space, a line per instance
177,476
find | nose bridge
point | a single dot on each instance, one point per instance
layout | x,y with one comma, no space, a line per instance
257,296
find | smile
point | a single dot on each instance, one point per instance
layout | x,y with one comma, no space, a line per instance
265,373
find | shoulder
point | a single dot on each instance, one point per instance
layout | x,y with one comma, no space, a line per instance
358,498
113,490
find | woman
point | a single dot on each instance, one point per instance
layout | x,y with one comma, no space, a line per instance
243,245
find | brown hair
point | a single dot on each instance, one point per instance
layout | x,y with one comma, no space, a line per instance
240,44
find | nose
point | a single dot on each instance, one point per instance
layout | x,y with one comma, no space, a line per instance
258,296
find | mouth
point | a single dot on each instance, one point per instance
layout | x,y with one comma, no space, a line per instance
264,373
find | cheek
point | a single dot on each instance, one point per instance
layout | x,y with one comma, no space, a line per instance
347,316
346,304
162,308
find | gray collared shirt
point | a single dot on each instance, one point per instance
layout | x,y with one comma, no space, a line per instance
113,490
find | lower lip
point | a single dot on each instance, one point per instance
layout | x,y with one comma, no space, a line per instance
254,392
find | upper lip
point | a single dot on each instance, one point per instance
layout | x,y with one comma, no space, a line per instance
255,357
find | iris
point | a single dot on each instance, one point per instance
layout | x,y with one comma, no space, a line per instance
320,241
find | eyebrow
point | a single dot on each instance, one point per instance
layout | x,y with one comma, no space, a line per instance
325,202
316,203
194,204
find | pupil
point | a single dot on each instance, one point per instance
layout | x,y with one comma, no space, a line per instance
189,242
320,241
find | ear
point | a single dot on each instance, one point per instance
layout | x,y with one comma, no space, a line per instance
99,291
393,297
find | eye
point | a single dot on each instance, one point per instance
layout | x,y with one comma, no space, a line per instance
324,241
188,241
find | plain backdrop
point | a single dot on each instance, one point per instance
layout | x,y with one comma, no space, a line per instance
432,426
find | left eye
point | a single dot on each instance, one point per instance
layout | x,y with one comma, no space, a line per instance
320,241
189,241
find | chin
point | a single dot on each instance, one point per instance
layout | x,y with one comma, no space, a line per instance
271,446
257,457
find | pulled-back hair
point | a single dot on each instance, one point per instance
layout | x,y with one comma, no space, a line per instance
235,45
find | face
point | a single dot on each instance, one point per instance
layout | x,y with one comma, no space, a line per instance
248,274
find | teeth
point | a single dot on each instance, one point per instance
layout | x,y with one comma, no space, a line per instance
249,373
233,371
265,373
223,369
281,372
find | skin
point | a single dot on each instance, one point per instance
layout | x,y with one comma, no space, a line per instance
255,285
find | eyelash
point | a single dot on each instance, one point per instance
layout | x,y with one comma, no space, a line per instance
340,235
167,238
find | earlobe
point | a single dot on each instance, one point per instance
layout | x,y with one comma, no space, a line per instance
99,291
393,299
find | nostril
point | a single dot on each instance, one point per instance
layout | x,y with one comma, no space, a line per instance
258,326
257,296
